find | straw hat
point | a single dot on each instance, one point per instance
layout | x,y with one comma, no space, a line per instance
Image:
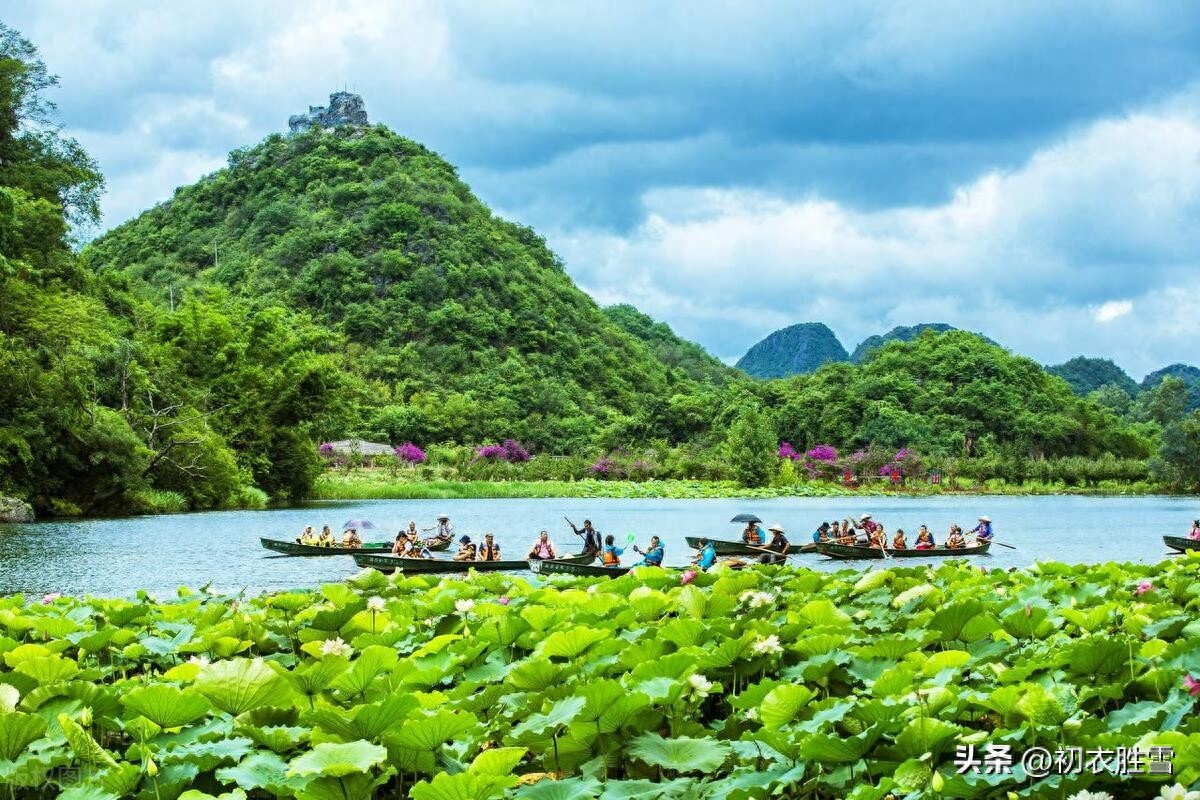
776,528
985,519
443,516
866,516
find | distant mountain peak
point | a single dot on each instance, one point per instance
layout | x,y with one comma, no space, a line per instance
794,350
900,333
345,108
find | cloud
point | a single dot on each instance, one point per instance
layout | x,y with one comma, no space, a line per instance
1113,309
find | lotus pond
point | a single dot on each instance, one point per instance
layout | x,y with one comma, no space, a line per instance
775,681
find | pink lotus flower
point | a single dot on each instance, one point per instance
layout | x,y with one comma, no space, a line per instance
687,577
1143,587
503,600
50,598
1192,685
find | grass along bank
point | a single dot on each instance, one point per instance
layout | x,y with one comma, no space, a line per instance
378,484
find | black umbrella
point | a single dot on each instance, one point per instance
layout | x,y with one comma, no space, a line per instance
745,518
358,524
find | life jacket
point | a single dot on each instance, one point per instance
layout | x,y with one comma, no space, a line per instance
489,552
469,550
609,558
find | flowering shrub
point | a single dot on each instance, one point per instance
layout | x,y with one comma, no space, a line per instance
787,451
603,467
410,452
822,452
326,449
511,451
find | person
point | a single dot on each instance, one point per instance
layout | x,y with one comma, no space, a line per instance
350,538
326,539
610,554
1195,531
845,535
308,537
444,531
707,555
779,544
876,537
653,556
821,534
753,535
489,550
898,541
543,548
982,531
925,539
400,546
956,540
591,537
871,528
466,550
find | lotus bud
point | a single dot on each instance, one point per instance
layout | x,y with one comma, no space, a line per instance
85,716
151,767
937,782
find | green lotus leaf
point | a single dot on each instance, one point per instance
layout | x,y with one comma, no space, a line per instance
334,619
369,722
621,712
497,761
873,580
82,791
1089,619
680,754
370,664
277,738
540,617
782,704
892,648
1099,657
927,594
337,759
344,788
946,659
913,775
17,731
926,735
314,677
833,749
48,670
241,684
259,770
208,755
815,644
86,749
535,674
952,620
559,716
570,789
165,705
430,732
684,632
463,786
290,602
823,612
121,779
195,794
571,643
368,580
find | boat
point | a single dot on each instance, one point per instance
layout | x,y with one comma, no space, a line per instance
725,547
294,548
577,568
389,563
834,550
1181,543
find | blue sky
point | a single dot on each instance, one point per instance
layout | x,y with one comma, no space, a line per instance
1030,170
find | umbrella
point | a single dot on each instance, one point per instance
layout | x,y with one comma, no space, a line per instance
358,524
745,518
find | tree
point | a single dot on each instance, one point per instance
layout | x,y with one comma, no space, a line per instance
751,446
1165,403
1179,459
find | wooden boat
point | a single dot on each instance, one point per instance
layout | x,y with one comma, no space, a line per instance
862,551
1181,543
725,547
294,548
389,563
578,568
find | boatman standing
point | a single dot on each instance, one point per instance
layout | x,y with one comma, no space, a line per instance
983,531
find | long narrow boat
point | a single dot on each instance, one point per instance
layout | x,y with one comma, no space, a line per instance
584,568
1181,543
862,551
388,563
725,547
294,548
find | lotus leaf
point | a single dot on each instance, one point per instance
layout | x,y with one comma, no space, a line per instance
572,642
240,685
165,705
782,704
338,759
680,754
17,731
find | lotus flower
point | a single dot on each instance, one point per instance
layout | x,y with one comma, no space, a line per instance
50,598
503,600
336,647
463,606
687,577
699,686
1085,795
767,646
200,661
376,604
1178,792
1143,587
1192,685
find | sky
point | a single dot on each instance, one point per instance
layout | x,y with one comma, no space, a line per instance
1028,170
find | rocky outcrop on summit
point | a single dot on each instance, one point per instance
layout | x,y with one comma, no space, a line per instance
344,108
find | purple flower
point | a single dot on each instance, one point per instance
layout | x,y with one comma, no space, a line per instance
602,466
787,451
514,452
889,470
326,449
1192,685
822,452
1143,587
503,600
641,465
410,452
901,454
858,455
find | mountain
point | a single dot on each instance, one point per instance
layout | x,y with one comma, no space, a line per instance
795,350
1185,372
459,325
1088,374
668,348
900,333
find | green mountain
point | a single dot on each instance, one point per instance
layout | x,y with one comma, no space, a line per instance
694,360
1185,372
794,350
900,333
1088,374
460,326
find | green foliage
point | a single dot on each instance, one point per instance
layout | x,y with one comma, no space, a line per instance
1086,375
751,445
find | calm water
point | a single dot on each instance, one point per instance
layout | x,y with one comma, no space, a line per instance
118,557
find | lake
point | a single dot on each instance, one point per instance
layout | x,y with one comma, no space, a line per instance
116,557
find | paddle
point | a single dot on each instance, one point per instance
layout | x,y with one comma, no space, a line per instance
993,541
771,552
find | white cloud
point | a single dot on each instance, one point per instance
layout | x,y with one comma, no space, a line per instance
1113,309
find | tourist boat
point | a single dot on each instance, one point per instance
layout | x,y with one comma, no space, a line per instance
578,568
1181,543
725,547
389,563
834,550
294,548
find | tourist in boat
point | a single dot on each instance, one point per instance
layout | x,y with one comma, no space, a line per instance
877,538
400,545
753,535
707,555
821,534
925,539
543,548
956,540
610,554
653,555
489,550
983,531
466,550
1194,533
443,531
308,537
844,535
326,539
591,537
779,544
871,528
898,541
350,538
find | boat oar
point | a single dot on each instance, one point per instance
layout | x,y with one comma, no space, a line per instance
772,552
993,541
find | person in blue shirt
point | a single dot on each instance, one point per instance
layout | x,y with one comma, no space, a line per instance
983,531
821,534
653,556
707,555
610,554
